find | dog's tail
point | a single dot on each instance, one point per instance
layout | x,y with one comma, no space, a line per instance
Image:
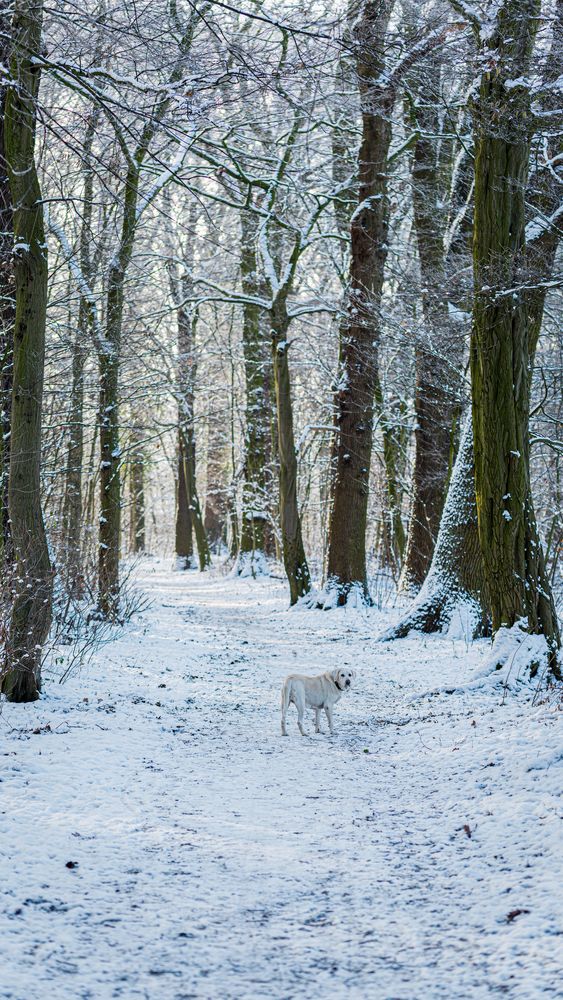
285,695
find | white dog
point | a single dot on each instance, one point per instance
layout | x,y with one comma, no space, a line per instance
314,692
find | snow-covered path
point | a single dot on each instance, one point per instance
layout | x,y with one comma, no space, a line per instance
215,859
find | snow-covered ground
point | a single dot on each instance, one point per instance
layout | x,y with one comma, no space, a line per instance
416,854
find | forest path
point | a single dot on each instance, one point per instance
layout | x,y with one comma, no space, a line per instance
216,859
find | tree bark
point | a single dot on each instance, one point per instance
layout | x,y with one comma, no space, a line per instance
454,586
215,516
515,576
137,492
109,363
294,558
257,364
7,308
110,483
359,335
436,401
184,536
72,511
189,459
456,580
394,458
32,601
186,373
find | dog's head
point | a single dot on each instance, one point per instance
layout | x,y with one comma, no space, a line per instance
343,677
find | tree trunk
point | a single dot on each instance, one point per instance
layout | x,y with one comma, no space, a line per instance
7,308
32,602
72,512
438,350
215,516
454,587
109,363
515,575
137,492
394,457
456,580
294,559
257,411
232,514
184,538
189,458
110,485
186,429
359,334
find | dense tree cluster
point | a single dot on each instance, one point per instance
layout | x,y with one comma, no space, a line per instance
280,282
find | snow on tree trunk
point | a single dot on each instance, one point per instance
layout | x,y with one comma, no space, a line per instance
453,592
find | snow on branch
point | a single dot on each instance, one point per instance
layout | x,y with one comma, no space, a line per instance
86,293
163,178
542,224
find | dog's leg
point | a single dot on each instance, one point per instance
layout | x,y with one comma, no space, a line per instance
317,720
300,705
328,713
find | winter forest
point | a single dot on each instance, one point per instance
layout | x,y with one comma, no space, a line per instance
281,370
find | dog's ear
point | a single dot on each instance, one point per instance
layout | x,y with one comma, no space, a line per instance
334,673
354,674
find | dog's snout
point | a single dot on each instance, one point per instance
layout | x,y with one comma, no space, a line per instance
347,683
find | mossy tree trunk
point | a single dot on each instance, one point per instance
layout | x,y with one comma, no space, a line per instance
516,581
7,308
456,581
359,334
454,585
32,600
